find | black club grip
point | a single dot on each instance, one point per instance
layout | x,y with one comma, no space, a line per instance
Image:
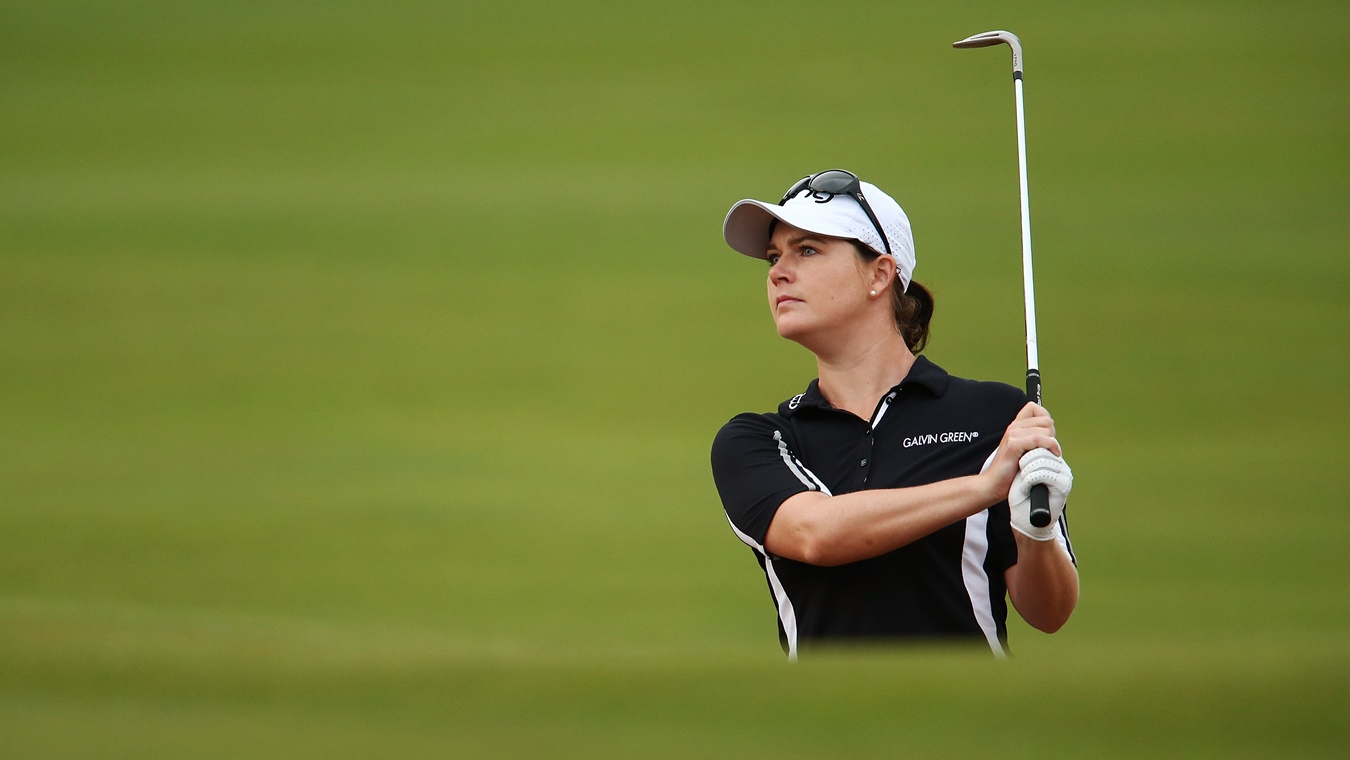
1040,495
1040,505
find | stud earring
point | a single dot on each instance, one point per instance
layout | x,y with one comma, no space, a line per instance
874,294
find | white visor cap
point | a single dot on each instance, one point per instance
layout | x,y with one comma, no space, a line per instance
749,223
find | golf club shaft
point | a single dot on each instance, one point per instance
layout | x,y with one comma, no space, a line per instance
1040,495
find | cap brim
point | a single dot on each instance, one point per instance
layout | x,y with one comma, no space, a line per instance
748,224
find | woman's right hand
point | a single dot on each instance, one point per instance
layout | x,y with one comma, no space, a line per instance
1032,428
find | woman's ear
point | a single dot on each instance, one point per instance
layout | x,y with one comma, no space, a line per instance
882,273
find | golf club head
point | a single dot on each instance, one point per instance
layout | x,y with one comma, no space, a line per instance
989,39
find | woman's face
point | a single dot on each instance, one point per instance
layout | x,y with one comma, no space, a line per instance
816,285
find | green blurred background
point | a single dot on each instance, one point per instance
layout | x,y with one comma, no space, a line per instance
359,363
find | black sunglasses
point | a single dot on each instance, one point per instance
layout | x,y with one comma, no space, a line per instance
834,182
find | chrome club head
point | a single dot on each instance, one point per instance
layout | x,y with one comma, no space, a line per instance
989,39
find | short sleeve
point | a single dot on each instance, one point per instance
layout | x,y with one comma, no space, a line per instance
756,471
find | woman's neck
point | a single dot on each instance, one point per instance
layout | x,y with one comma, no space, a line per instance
855,379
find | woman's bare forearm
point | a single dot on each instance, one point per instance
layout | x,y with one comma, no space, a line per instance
826,530
1043,585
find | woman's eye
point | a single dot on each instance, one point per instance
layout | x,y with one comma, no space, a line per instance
808,251
773,259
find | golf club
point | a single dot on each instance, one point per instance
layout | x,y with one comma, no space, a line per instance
1040,497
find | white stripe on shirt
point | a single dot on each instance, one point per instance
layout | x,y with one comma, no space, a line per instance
807,477
787,615
973,553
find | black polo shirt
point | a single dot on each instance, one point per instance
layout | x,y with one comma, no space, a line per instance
930,427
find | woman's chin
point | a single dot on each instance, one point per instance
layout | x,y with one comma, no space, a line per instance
791,329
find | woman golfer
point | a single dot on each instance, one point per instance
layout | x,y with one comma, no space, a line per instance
890,500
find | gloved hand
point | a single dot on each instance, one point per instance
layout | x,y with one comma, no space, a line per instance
1039,466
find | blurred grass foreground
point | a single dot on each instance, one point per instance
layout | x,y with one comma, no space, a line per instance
359,363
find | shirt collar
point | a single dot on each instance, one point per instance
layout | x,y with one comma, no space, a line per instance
923,374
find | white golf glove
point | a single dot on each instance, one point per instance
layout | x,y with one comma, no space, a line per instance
1039,466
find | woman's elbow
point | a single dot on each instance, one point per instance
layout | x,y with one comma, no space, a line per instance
1049,625
824,547
1050,615
806,542
823,554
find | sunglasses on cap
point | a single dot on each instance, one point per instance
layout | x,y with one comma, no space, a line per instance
834,182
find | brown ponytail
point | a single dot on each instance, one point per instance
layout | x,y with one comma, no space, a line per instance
913,311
